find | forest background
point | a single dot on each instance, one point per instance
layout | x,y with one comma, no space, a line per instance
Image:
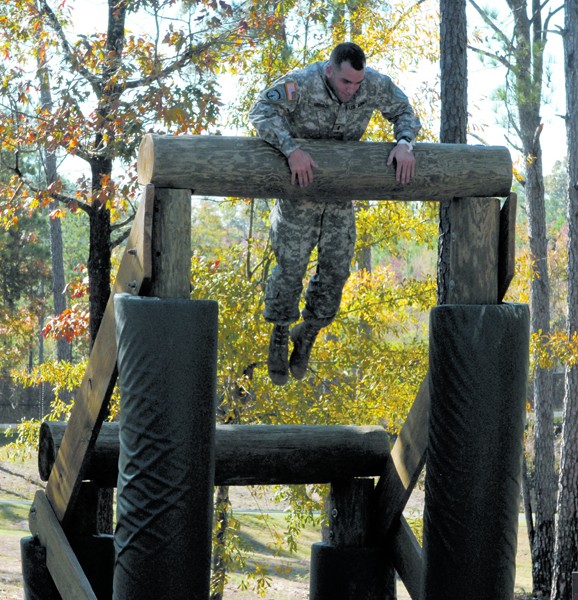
79,89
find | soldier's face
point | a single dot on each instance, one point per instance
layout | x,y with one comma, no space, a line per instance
344,80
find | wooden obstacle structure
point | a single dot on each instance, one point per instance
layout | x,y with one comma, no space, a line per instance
367,526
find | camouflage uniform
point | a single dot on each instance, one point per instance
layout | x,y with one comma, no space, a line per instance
302,105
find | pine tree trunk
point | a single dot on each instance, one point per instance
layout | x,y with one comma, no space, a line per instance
566,550
454,114
528,72
545,479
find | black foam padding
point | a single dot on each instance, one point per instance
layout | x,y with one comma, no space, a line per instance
339,573
36,578
478,374
167,357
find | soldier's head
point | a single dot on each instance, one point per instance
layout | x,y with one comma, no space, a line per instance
345,70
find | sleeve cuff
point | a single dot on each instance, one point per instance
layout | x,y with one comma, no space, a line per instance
289,146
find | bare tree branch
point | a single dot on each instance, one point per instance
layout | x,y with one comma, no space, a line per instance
120,239
501,59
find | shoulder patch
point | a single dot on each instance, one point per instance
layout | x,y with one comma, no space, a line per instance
274,94
283,91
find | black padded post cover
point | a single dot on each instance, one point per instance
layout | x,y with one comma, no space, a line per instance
167,357
478,373
348,573
36,578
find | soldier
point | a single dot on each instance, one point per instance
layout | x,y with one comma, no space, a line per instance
332,100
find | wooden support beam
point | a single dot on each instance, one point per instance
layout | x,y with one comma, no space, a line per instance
403,466
252,454
407,558
348,564
249,167
61,560
96,388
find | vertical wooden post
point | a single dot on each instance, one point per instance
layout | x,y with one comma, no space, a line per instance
472,277
171,244
348,564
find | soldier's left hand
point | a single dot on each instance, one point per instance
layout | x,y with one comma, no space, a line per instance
404,161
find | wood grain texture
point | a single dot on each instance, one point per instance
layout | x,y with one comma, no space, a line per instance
475,223
249,167
172,244
348,507
96,388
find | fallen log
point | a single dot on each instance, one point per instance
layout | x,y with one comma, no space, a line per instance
251,454
251,168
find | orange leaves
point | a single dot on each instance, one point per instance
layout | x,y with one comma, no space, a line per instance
78,288
70,323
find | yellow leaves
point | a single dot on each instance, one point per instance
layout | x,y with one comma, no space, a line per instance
555,349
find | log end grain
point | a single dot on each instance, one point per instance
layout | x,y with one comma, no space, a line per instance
146,160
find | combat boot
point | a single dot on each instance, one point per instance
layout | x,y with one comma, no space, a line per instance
303,337
277,362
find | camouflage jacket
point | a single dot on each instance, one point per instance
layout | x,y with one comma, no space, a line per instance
302,105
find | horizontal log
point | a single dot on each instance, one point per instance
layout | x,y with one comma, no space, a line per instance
251,168
251,454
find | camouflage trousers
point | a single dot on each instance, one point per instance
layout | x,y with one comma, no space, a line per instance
297,227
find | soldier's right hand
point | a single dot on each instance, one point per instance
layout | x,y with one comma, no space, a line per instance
301,164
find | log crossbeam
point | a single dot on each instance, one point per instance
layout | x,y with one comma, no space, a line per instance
251,454
250,168
271,454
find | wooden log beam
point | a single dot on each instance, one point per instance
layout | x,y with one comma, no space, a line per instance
252,454
403,466
346,564
407,558
249,167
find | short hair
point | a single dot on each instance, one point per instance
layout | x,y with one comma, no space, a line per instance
348,52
